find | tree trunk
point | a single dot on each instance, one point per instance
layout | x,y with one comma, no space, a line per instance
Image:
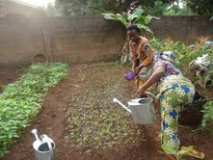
125,57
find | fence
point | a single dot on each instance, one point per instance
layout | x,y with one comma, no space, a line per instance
83,39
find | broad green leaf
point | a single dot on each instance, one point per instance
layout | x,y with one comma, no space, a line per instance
116,17
144,27
136,14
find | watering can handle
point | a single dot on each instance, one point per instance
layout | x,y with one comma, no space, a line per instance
151,95
35,133
154,98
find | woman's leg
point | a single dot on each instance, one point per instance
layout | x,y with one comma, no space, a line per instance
169,123
171,105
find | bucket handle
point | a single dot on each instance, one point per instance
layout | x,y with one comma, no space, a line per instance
151,95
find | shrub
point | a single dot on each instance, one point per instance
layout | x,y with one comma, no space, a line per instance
20,102
185,54
208,116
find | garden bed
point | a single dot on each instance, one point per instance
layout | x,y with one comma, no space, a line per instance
86,87
21,101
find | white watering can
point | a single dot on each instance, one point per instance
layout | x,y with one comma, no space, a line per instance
141,109
43,146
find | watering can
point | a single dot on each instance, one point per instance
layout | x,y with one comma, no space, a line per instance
141,109
43,146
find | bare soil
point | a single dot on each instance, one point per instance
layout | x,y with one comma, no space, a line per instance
54,119
9,75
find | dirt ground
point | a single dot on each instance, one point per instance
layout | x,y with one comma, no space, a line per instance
9,75
58,106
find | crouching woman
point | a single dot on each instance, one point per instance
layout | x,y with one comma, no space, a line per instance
174,91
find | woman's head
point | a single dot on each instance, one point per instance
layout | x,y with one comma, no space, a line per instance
168,56
146,51
133,31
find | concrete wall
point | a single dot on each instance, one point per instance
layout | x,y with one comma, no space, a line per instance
183,28
83,39
20,40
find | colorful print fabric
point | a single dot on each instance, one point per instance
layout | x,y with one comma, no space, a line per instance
174,94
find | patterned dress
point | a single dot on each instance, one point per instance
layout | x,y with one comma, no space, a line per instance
141,54
174,91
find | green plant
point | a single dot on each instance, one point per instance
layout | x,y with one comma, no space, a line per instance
208,115
171,8
157,8
138,17
20,102
89,7
176,10
202,7
185,54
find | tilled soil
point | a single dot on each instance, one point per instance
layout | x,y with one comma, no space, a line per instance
59,108
9,75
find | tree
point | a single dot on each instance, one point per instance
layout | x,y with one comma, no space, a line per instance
167,8
91,7
153,7
51,10
202,7
151,3
88,7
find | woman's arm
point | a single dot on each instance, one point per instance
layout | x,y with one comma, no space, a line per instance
154,78
145,63
134,56
146,55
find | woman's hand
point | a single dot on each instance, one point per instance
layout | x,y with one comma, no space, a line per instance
154,78
138,69
141,92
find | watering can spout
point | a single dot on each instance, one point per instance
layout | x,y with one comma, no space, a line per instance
115,100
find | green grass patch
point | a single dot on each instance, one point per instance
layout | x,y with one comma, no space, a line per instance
21,101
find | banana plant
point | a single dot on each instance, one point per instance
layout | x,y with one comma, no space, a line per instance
137,17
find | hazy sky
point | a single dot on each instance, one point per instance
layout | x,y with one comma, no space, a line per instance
38,3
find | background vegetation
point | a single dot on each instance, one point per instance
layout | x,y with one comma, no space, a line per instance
185,55
153,7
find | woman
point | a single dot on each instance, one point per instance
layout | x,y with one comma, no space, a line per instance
140,52
174,91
